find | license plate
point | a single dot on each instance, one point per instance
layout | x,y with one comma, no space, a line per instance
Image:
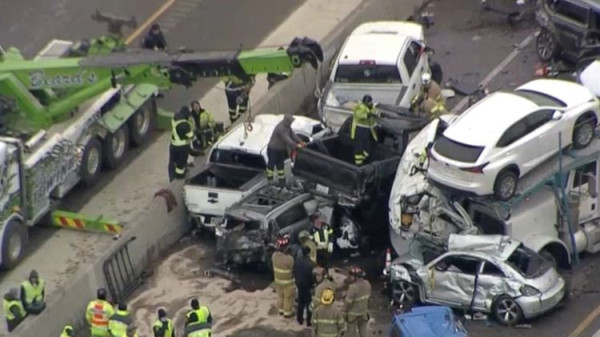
322,189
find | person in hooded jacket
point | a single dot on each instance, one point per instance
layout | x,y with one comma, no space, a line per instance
33,294
13,309
282,141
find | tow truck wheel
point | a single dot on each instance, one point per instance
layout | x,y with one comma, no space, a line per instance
14,242
142,123
91,163
115,147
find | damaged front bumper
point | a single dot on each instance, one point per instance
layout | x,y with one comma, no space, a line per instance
240,248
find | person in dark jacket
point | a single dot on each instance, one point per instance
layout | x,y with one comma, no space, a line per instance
154,40
303,274
282,141
182,144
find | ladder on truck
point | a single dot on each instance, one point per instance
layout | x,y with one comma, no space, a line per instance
551,174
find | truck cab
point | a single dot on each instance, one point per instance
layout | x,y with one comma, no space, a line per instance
384,59
235,167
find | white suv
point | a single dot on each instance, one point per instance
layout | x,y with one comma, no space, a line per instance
508,134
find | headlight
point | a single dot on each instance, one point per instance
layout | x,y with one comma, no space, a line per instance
400,272
527,290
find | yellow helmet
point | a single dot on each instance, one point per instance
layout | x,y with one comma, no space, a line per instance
327,296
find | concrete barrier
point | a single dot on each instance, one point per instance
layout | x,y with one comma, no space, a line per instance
157,230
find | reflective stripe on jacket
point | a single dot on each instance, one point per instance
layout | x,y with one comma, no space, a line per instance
158,326
8,305
176,139
118,323
322,236
98,313
363,117
33,293
357,298
328,321
283,265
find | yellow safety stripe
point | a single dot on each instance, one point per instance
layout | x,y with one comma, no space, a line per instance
362,298
283,271
328,321
175,140
179,170
323,334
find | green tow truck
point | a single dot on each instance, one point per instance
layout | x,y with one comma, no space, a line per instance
77,107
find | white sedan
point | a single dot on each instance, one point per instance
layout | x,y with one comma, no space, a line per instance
507,134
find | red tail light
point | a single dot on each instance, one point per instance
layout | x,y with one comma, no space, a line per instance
476,169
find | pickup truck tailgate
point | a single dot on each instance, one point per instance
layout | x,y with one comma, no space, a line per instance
215,188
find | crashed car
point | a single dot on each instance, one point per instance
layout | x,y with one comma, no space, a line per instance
427,321
252,225
485,273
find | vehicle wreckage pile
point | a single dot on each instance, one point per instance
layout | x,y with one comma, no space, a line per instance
484,207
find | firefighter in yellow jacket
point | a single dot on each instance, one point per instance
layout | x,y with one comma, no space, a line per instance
363,129
322,281
283,265
357,304
327,320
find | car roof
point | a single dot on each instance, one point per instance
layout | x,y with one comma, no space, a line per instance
571,93
488,119
381,41
427,321
258,138
499,247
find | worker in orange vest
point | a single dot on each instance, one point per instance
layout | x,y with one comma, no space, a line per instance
98,313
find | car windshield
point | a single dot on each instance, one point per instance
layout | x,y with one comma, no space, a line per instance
528,263
457,151
540,99
232,222
238,158
367,73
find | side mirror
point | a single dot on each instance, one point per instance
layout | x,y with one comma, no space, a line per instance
429,51
556,115
592,185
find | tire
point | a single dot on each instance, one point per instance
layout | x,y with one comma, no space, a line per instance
91,162
115,148
142,122
505,185
583,132
436,72
507,311
14,242
546,46
405,293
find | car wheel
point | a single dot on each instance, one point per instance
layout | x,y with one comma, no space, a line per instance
583,132
405,293
546,46
507,311
505,185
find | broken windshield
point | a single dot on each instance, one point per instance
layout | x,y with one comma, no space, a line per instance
232,222
527,262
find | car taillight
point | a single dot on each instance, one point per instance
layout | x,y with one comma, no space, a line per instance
475,169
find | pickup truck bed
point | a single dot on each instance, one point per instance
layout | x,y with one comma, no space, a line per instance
328,168
212,190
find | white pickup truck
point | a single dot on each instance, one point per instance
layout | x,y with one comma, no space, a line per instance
236,167
384,59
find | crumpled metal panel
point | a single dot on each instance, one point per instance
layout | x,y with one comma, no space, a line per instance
497,246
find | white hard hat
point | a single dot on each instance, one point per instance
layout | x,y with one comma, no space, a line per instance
426,78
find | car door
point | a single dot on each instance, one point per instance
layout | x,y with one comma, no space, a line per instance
451,280
580,187
292,220
542,133
490,277
571,20
413,65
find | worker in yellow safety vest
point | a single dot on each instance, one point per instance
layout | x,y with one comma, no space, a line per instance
132,331
204,125
357,304
283,265
182,139
202,312
237,92
163,326
13,309
196,328
363,129
323,236
119,321
33,294
67,331
98,314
